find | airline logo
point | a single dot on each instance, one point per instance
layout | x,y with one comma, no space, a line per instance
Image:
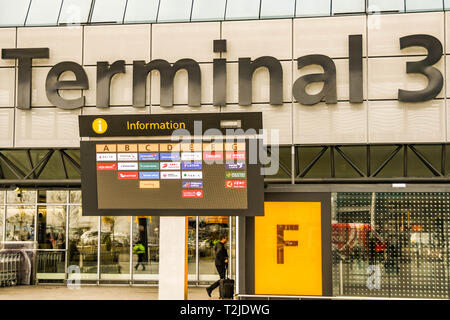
212,155
172,156
191,165
106,157
148,156
148,165
192,193
127,157
128,175
236,184
128,166
235,174
149,175
170,175
169,165
192,174
235,156
149,184
106,166
192,184
190,156
235,166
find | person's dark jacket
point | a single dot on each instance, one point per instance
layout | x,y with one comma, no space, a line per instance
221,254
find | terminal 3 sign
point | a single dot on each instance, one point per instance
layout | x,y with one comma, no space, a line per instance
141,69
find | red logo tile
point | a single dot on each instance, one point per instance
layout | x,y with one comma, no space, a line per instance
106,166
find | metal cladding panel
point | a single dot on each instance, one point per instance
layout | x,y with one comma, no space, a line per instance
6,127
65,44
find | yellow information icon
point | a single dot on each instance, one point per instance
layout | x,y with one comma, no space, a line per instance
99,125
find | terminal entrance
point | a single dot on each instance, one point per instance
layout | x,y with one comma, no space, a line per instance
383,244
68,245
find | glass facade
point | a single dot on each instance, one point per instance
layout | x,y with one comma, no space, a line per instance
13,13
419,5
348,6
146,232
384,244
54,12
108,11
115,248
99,249
277,9
209,230
242,10
392,245
174,10
207,10
82,249
2,217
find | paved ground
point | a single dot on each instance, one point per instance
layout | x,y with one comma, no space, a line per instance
46,292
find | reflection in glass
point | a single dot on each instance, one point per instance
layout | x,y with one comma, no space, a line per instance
43,12
209,230
141,11
75,196
174,10
313,8
75,11
108,11
145,248
386,5
50,265
115,248
277,8
51,227
20,223
83,242
237,9
52,196
19,8
21,196
192,268
2,216
348,6
208,10
420,5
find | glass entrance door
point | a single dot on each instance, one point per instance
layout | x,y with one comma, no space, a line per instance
145,249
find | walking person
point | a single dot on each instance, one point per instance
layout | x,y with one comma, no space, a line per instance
221,261
139,249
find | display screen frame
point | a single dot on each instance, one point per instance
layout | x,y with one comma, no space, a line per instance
255,186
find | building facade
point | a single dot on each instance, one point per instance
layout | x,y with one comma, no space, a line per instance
347,103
